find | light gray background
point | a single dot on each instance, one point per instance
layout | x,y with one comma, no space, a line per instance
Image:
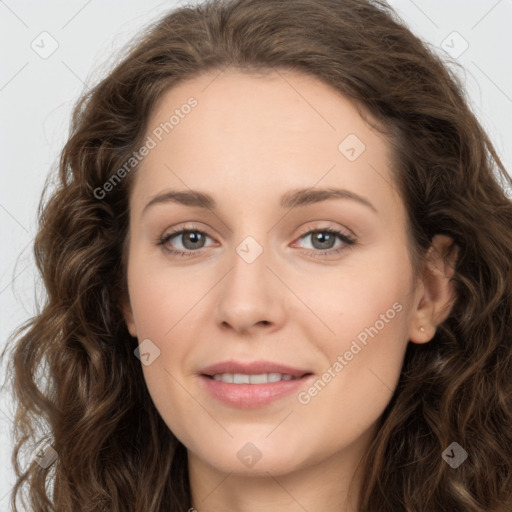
37,94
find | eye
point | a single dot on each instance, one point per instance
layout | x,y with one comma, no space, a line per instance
192,240
324,239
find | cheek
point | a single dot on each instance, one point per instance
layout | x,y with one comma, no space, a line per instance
364,364
165,302
160,295
371,305
368,297
162,303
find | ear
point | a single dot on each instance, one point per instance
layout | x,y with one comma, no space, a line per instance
128,317
436,293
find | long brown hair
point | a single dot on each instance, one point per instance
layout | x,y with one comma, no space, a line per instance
114,452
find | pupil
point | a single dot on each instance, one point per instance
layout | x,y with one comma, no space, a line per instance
327,237
193,235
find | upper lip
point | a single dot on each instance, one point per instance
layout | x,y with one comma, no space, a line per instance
252,368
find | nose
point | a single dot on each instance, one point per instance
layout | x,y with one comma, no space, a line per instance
252,297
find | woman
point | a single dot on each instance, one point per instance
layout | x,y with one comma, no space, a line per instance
198,355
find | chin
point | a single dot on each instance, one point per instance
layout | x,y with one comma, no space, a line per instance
254,458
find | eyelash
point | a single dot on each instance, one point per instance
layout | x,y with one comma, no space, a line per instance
348,241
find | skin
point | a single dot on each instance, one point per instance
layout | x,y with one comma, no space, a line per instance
249,140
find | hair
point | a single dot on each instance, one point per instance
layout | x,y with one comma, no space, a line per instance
114,451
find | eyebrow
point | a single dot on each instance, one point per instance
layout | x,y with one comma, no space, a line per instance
291,199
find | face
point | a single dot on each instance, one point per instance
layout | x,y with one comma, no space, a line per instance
274,314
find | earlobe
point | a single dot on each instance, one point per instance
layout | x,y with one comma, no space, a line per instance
437,291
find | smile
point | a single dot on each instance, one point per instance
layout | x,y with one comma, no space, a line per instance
261,378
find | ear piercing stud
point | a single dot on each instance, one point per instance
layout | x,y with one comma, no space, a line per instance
422,329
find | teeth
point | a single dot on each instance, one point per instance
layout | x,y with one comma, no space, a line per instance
262,378
239,378
258,379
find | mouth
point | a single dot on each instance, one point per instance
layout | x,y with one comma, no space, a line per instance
249,385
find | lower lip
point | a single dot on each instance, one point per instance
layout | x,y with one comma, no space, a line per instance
247,396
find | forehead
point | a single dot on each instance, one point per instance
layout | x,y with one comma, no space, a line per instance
261,133
241,104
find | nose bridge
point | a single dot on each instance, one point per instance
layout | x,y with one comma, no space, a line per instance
248,295
249,266
249,249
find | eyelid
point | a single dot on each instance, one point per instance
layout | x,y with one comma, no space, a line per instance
174,232
327,225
